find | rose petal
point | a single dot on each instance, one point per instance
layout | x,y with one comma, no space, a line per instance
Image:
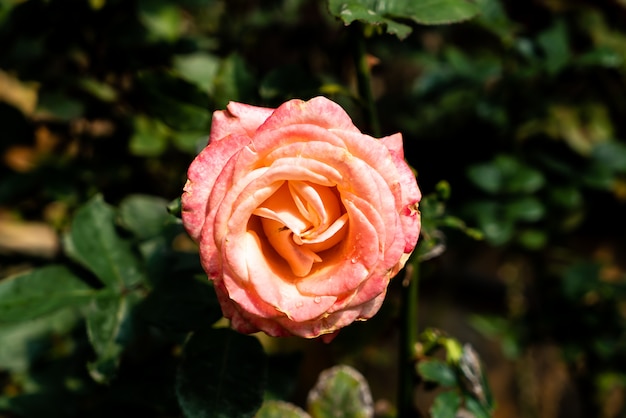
201,180
238,119
270,284
299,257
318,111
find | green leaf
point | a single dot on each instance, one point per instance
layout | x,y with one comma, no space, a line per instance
282,374
41,291
176,102
501,329
163,20
222,374
527,208
98,89
435,12
496,229
477,409
24,342
145,216
445,405
234,82
280,409
566,197
610,154
182,116
199,68
94,242
351,11
524,180
555,44
288,81
190,142
181,304
486,176
533,239
341,391
426,12
108,328
59,106
579,279
437,371
149,138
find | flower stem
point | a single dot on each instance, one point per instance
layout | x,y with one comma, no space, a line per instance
364,77
408,333
408,339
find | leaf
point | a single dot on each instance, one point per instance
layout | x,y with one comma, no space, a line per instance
234,82
199,68
610,154
473,377
162,20
477,409
181,304
24,342
40,292
568,197
437,371
149,138
426,12
533,239
94,243
190,142
351,11
98,89
486,176
580,278
180,115
490,221
526,208
282,374
179,104
341,391
445,405
222,374
280,409
145,216
555,45
108,328
525,180
288,81
59,106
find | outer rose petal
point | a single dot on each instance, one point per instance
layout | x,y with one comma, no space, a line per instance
201,178
252,152
410,192
318,111
238,119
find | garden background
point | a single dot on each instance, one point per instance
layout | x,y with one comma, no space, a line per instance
513,120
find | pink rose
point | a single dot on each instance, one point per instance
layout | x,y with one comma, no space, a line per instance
301,219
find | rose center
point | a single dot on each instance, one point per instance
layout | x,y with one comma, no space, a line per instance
300,220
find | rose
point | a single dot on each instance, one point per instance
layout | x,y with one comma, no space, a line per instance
301,219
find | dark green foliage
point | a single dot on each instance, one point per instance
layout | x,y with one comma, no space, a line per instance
221,374
40,292
513,120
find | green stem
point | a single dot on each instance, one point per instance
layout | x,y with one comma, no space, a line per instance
364,77
408,339
408,334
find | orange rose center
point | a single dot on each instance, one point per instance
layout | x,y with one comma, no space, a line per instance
300,220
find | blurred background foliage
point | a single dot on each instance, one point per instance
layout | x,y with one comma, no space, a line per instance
104,103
